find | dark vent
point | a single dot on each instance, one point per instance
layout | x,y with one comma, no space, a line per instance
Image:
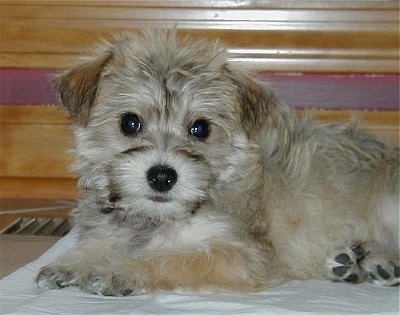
38,226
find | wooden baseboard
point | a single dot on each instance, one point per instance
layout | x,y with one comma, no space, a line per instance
35,140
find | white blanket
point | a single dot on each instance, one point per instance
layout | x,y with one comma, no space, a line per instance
19,295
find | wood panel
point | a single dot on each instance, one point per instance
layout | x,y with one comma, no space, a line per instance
384,124
34,150
35,140
309,36
38,188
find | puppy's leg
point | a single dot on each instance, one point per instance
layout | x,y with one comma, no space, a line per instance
226,266
364,262
223,266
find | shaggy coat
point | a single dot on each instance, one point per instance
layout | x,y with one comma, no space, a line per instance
193,175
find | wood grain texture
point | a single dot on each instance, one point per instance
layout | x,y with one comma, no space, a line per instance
34,150
308,36
38,188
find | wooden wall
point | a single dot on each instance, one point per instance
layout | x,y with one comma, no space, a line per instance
271,35
294,36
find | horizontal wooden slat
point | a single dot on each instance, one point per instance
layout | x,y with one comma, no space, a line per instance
384,124
32,114
192,15
305,4
51,114
257,63
388,119
62,36
34,142
78,36
34,150
317,36
38,188
251,61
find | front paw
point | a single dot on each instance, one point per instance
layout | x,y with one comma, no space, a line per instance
111,284
344,265
55,277
368,261
382,271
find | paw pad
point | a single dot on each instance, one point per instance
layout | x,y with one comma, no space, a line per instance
127,292
397,271
355,264
382,272
345,264
341,271
353,278
343,259
386,273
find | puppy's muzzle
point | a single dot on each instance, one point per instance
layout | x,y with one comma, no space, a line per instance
161,178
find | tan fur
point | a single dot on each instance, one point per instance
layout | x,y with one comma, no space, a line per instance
195,270
264,196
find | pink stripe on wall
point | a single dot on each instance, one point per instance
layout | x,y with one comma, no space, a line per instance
325,91
26,86
336,91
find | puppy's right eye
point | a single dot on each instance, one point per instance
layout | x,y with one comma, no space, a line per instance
200,129
130,124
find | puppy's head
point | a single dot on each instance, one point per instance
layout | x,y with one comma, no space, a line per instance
163,124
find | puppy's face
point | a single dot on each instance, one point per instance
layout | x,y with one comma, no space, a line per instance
162,126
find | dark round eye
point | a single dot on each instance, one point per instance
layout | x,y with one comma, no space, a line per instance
200,129
130,124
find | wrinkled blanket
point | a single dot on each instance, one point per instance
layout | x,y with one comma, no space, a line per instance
19,295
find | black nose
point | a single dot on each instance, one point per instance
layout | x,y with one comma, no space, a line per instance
161,178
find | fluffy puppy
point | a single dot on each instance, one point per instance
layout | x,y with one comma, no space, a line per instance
194,176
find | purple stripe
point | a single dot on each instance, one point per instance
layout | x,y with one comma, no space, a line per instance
26,86
327,91
336,91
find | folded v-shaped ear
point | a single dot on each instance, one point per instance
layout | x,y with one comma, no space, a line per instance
78,86
255,99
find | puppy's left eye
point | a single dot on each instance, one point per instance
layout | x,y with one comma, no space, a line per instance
130,124
200,129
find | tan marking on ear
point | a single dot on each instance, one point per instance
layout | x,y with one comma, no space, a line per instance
78,87
255,98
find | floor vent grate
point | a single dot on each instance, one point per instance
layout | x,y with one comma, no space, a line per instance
38,226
